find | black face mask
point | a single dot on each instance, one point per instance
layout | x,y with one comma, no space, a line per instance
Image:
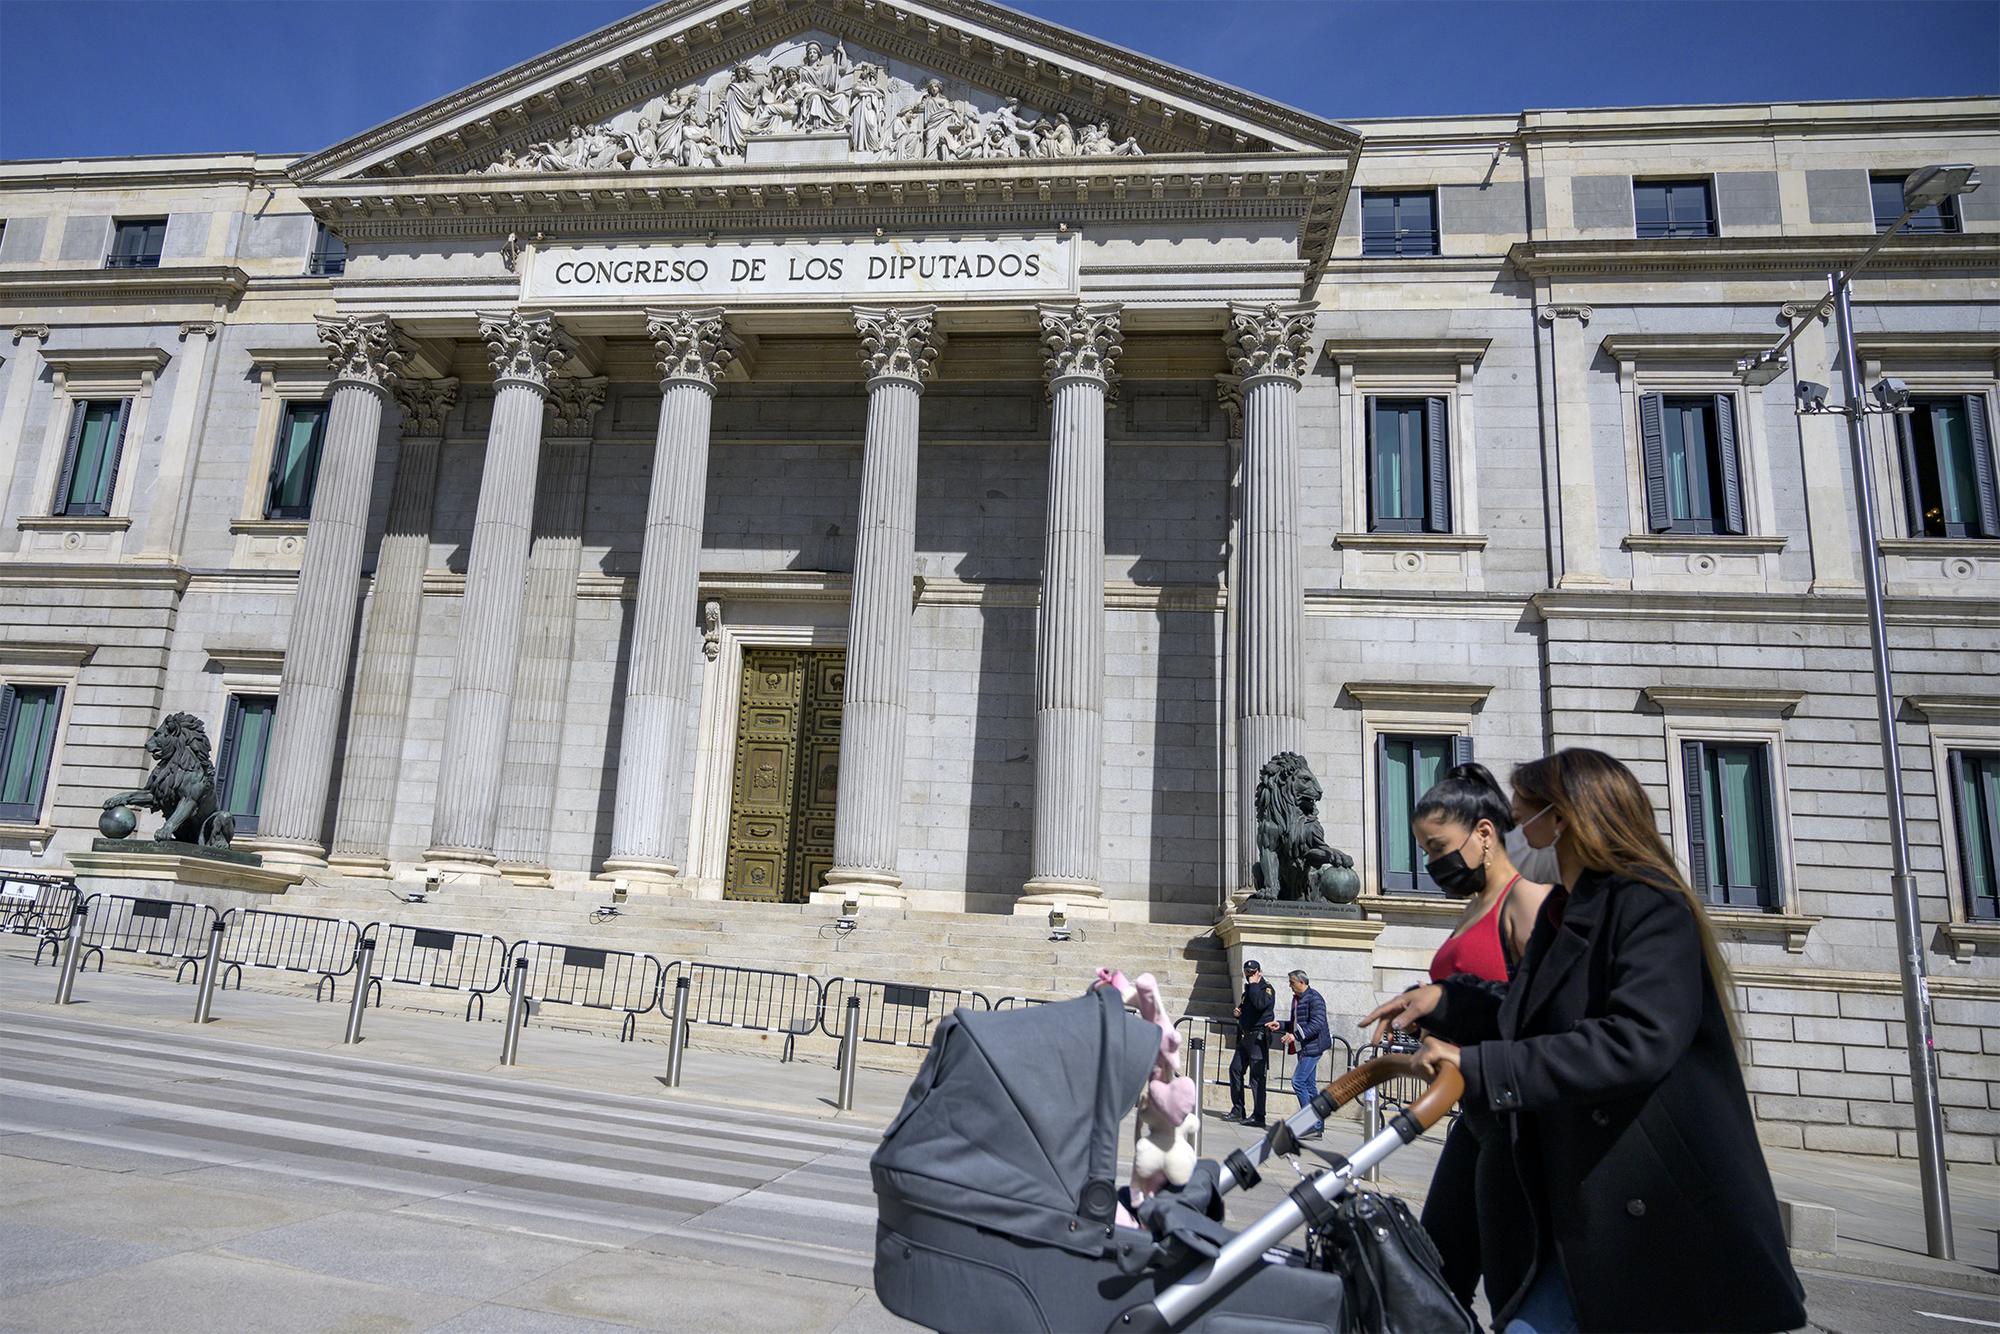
1454,877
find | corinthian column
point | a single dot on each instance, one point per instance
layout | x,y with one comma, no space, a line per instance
694,346
1080,346
1269,350
526,350
389,637
548,633
900,349
366,354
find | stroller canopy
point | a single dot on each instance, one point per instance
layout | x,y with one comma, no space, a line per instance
1012,1123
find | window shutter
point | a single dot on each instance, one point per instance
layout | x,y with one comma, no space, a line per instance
114,451
79,410
1382,820
1913,500
1437,466
1732,471
1653,455
225,758
1955,783
1982,465
1461,750
1691,767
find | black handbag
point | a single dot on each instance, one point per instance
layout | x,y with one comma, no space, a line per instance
1395,1280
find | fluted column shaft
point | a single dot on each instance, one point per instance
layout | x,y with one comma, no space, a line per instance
318,643
489,627
375,727
1269,351
900,348
1081,345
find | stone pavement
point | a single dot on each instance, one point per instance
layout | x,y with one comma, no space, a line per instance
257,1174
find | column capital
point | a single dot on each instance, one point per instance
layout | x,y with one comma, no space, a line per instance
426,403
199,329
572,405
364,349
694,346
1270,340
899,342
1082,340
525,346
1229,394
38,332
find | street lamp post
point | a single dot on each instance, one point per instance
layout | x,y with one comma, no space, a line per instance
1925,188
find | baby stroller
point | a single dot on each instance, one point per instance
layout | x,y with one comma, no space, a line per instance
995,1185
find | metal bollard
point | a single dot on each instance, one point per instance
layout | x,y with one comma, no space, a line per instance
364,968
204,999
1197,1061
66,980
677,1044
1371,1121
517,1004
850,1049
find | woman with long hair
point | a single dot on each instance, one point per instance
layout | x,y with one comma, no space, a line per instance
1461,823
1645,1203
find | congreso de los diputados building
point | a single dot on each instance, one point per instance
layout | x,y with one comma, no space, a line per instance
771,456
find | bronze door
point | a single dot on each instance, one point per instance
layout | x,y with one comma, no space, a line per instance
787,774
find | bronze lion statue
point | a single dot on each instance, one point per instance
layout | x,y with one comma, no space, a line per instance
182,786
1293,858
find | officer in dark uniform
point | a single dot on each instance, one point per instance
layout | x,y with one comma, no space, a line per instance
1256,1019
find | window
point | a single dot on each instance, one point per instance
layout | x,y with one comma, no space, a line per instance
1672,209
1732,840
136,244
1887,193
329,254
90,463
295,461
239,765
1947,452
1975,807
28,716
1405,768
1409,466
1694,481
1399,223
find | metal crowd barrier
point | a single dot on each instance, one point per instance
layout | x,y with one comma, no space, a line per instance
154,928
41,906
326,947
439,959
757,1000
1219,1039
981,1001
591,978
891,1014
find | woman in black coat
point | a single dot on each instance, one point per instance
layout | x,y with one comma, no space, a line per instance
1645,1203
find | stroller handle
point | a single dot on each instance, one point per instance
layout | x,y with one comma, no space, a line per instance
1439,1096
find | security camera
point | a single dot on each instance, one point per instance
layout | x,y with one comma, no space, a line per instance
1811,396
1891,393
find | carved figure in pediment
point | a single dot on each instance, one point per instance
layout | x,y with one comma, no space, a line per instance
669,115
698,146
938,121
778,106
1055,137
868,110
1019,129
508,161
822,103
740,107
1093,140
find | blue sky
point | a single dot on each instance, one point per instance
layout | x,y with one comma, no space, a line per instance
108,77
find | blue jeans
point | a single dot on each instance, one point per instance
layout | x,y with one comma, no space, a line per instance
1546,1309
1305,1082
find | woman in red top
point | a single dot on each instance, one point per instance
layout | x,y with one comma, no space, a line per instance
1461,824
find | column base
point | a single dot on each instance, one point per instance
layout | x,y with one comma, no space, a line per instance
526,876
361,866
291,854
463,866
643,875
1077,898
878,888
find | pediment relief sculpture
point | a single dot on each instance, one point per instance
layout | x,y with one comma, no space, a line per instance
824,95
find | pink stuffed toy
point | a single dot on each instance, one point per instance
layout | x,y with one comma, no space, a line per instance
1164,1151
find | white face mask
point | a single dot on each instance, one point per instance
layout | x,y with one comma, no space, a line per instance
1555,829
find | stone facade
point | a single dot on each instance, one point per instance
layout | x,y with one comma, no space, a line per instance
1545,612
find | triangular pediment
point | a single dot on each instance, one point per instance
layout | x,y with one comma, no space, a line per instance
693,84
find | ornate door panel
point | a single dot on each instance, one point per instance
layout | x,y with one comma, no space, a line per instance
787,766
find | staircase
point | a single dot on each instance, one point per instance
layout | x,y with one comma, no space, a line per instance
994,955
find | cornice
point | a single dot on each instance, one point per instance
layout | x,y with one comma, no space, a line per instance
1359,351
85,360
217,284
1748,701
1010,53
1786,608
1957,708
1971,345
52,653
1456,696
254,661
1682,346
79,574
1965,256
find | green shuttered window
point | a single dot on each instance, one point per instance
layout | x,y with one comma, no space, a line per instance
1409,466
1948,473
1405,768
28,717
239,765
1975,810
1732,833
295,461
1694,475
90,461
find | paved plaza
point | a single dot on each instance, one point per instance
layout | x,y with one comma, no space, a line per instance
258,1175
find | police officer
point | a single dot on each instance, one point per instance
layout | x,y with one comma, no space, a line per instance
1256,1018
